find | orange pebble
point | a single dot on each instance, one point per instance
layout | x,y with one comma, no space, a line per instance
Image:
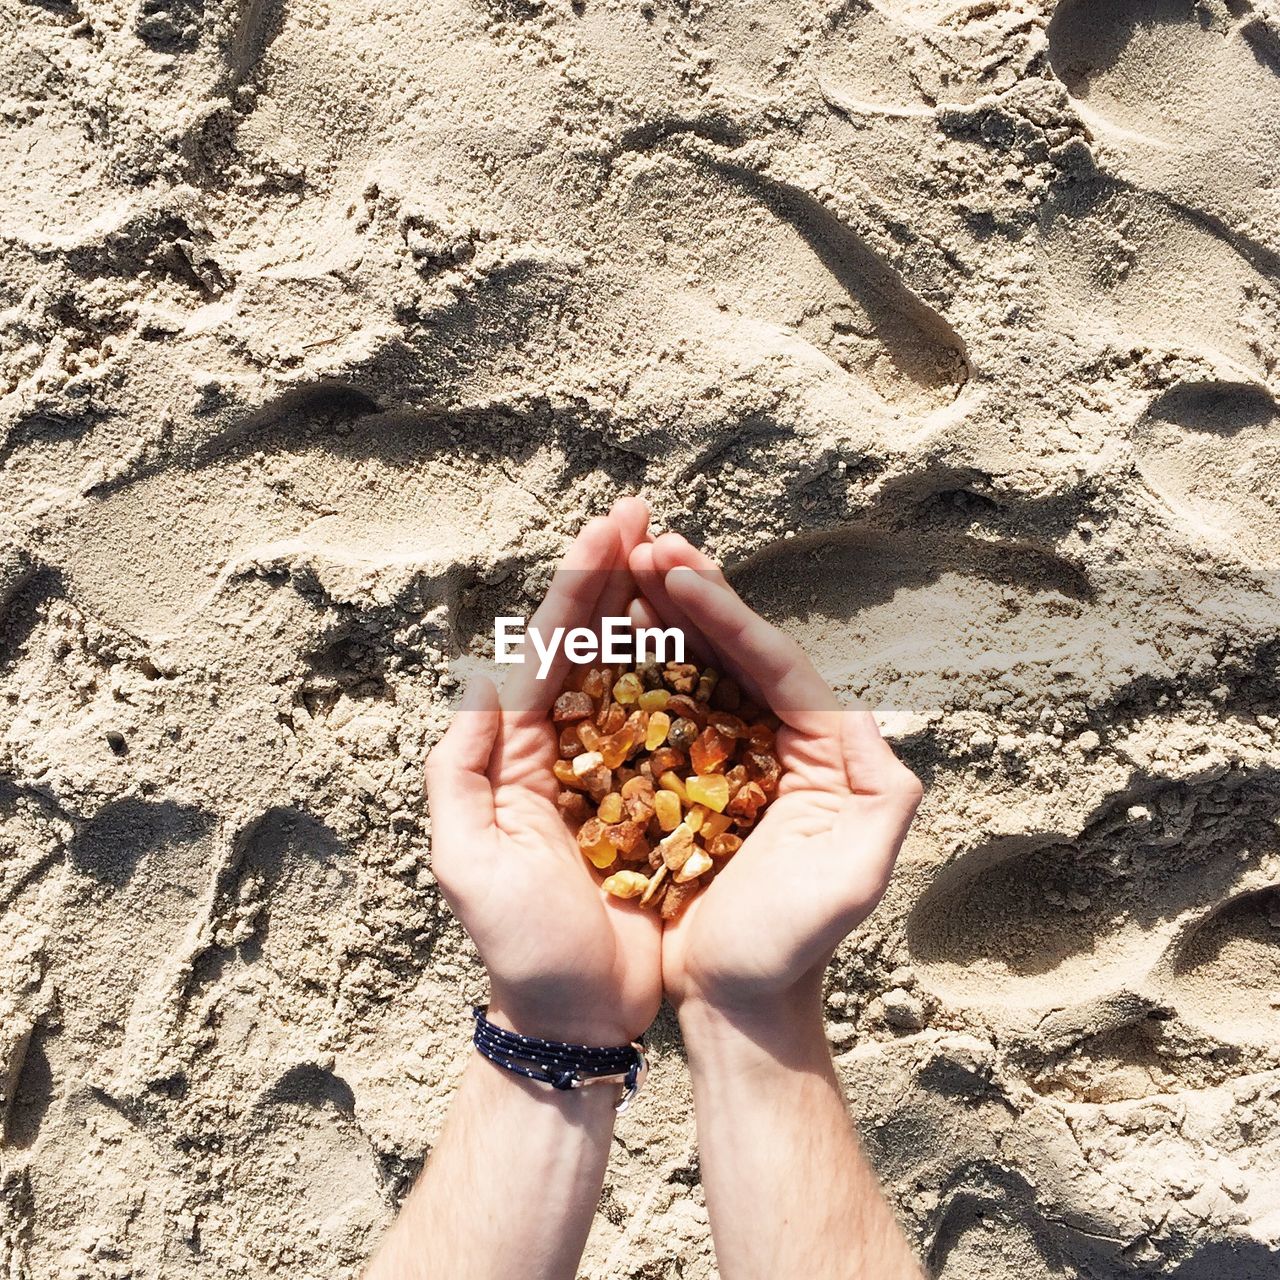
710,751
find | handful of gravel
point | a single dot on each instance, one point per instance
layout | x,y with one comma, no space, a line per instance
664,769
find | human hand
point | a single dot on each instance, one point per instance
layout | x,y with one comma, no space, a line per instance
565,960
762,934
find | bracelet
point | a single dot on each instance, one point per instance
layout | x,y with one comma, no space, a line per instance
562,1066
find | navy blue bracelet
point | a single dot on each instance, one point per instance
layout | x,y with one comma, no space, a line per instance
561,1065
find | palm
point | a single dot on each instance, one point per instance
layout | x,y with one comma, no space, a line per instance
550,922
774,897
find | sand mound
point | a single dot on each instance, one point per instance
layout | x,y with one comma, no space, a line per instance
953,328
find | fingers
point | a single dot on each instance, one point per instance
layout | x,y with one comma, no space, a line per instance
630,516
872,822
572,601
870,763
642,614
771,660
650,581
671,549
459,795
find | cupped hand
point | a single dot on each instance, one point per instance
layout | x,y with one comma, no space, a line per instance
821,857
565,960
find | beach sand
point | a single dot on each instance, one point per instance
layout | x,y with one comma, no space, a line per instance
952,328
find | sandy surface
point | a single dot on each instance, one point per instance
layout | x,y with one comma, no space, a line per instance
323,323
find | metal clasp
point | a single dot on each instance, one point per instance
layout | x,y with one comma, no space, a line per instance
642,1073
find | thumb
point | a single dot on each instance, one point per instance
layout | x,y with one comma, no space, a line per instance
872,822
871,768
459,794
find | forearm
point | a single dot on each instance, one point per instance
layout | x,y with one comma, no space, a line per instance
788,1189
511,1186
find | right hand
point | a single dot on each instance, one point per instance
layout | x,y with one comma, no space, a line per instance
763,932
565,960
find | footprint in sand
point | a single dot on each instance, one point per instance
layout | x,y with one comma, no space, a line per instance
1085,921
982,1230
1171,222
1137,957
245,980
269,985
897,617
1050,922
1133,964
789,262
1226,976
265,1004
324,486
1211,453
681,248
54,170
94,1185
874,60
863,60
301,1155
1173,86
135,878
1109,248
129,896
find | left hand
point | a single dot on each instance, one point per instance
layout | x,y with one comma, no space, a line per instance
755,942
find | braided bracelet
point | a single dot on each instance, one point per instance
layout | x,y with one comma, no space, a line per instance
561,1065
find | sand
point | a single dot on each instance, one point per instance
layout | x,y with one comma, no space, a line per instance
953,328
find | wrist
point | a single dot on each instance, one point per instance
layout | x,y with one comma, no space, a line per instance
754,1004
564,1021
599,1100
781,1027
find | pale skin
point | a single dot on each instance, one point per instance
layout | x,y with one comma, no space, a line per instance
513,1182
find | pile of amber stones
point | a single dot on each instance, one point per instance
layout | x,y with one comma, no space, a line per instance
663,769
